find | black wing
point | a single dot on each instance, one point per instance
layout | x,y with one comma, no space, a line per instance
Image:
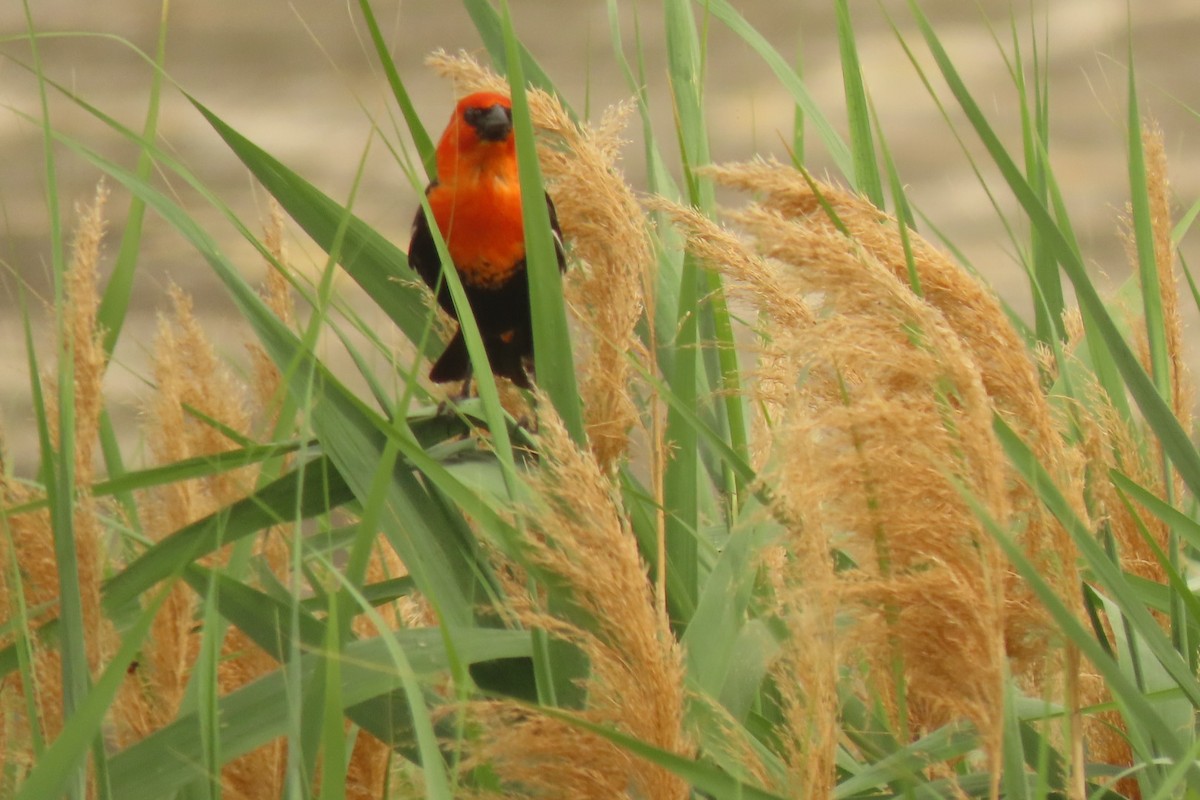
423,256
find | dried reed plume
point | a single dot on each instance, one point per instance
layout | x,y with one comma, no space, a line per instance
86,348
29,552
1110,440
368,771
579,533
1159,189
975,317
611,253
882,404
193,386
276,293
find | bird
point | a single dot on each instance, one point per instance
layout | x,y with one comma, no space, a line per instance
475,201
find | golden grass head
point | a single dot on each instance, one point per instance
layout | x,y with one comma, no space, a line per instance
29,538
87,347
188,374
882,403
577,532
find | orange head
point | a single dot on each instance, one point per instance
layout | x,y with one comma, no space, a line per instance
478,139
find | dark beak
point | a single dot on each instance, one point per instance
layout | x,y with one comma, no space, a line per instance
492,124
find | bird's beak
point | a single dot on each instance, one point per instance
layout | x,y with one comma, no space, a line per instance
494,124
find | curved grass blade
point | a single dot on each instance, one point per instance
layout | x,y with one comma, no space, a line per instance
490,26
552,339
375,264
838,151
1148,733
314,489
866,168
258,713
701,775
110,317
1105,571
420,136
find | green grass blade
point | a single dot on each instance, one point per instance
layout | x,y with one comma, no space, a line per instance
901,764
186,469
57,258
72,648
798,119
263,618
490,25
905,222
204,688
867,179
333,739
258,712
114,462
1191,280
721,611
435,774
838,151
267,621
378,266
682,475
1186,220
703,309
1182,525
1143,230
1035,129
315,489
552,340
198,467
1152,305
1013,755
420,137
58,466
1102,363
114,304
701,775
681,479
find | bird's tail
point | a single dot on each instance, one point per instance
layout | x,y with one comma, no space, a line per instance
507,360
453,364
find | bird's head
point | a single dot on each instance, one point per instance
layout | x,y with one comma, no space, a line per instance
488,116
480,118
479,137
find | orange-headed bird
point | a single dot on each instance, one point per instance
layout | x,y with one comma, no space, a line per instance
476,201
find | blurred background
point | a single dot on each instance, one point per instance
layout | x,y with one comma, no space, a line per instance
300,79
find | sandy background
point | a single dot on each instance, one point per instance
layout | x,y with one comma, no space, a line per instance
300,80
